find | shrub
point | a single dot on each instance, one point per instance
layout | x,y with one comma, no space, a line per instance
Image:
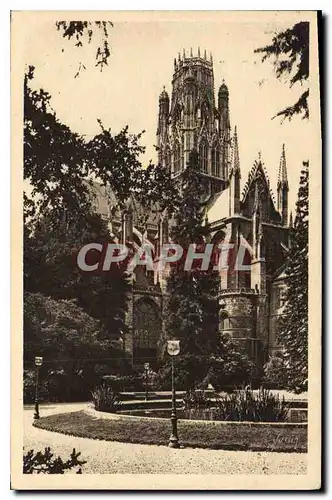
105,399
29,388
59,385
244,405
275,372
44,463
225,371
189,372
196,399
118,383
229,370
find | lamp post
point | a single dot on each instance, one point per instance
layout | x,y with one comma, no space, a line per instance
146,368
38,363
173,349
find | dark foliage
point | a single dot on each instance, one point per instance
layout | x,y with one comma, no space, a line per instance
45,463
196,399
192,308
226,368
290,49
245,405
87,310
73,345
50,268
54,159
293,325
190,371
275,371
82,32
105,399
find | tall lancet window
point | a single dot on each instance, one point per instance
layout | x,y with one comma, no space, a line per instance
177,157
215,160
189,144
203,156
217,163
188,111
168,159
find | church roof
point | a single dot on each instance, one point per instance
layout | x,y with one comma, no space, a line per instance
105,201
218,206
103,198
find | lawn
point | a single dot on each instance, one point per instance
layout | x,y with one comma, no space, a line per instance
213,435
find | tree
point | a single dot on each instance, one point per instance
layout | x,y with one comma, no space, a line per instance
50,268
274,372
192,306
54,159
82,31
290,49
114,161
293,326
230,366
225,367
60,165
72,344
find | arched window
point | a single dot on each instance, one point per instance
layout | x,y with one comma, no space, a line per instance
177,157
203,155
147,331
189,144
224,322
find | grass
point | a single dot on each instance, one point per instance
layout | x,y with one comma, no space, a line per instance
249,436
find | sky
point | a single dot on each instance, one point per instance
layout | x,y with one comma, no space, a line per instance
143,48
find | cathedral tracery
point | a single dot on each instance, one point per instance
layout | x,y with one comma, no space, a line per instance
203,156
195,121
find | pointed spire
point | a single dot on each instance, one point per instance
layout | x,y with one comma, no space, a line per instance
199,52
184,54
282,175
211,59
235,156
191,51
204,53
179,57
291,220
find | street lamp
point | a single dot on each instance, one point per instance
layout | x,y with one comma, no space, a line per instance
38,363
173,349
146,368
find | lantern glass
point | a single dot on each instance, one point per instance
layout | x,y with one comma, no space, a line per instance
38,360
173,347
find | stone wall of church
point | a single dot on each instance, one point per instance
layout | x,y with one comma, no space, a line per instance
238,318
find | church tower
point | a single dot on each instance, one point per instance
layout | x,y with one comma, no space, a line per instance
193,120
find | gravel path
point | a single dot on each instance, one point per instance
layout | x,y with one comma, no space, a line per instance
122,458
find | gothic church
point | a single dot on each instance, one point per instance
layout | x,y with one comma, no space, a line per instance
250,300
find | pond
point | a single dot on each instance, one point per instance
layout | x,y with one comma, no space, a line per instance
190,414
295,415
